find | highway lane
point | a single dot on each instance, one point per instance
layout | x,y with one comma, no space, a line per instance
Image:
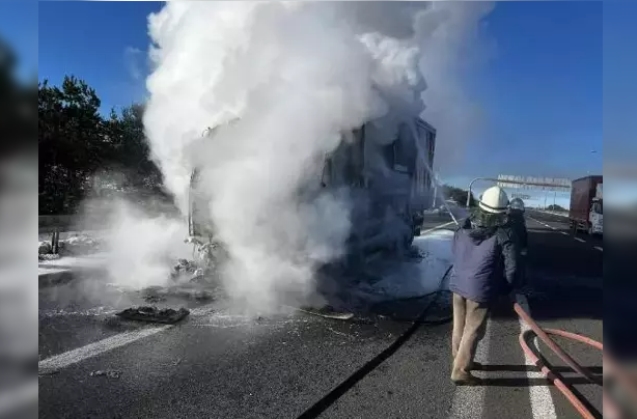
619,246
217,365
222,365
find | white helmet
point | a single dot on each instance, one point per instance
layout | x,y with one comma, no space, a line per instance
494,200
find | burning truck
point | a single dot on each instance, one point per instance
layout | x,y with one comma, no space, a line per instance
388,175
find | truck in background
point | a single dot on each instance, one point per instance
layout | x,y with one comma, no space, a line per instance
587,205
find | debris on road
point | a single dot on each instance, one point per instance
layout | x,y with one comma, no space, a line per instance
328,312
154,314
106,373
44,248
48,256
176,362
154,295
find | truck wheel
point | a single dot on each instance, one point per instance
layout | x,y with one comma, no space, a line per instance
574,228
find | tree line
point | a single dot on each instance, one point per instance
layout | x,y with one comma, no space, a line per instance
78,147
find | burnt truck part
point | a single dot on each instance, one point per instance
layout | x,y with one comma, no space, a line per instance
387,174
587,205
390,182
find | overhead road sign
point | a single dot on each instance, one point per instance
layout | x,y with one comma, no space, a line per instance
530,182
521,196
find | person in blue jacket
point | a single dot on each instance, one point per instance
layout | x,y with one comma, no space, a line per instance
485,268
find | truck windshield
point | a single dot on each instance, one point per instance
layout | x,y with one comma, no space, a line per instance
598,208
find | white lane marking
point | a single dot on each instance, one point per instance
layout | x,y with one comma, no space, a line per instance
567,234
539,222
437,227
468,402
542,405
544,224
74,356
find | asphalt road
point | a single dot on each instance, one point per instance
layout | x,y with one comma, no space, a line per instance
222,365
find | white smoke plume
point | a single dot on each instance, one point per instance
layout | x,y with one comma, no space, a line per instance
295,74
141,248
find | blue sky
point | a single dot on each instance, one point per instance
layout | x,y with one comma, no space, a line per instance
560,81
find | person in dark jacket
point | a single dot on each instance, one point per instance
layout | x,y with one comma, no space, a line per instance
485,268
518,222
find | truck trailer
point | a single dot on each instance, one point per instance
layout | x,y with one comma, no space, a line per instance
388,174
390,179
587,205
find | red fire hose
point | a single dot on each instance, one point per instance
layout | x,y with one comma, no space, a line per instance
611,410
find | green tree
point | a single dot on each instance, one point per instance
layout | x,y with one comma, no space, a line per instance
82,152
71,143
555,208
129,151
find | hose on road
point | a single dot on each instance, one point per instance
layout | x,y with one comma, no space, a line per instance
611,409
330,398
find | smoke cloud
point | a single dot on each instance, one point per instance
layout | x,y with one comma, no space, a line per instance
141,248
282,80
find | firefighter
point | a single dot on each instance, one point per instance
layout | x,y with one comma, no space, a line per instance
485,268
518,222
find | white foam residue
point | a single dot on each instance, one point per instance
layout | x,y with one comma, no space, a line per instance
412,279
96,260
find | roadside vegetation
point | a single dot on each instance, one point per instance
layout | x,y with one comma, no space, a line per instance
82,152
